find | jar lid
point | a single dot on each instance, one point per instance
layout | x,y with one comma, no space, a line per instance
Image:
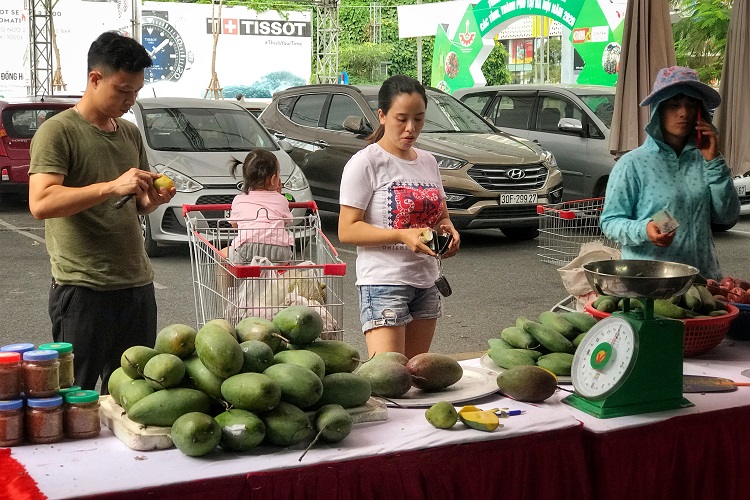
68,390
60,347
7,358
43,355
44,402
11,404
82,397
17,348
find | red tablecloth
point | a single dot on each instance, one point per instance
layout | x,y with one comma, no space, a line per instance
549,465
700,457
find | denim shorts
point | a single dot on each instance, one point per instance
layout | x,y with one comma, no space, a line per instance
396,305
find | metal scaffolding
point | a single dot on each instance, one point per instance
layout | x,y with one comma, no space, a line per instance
326,41
40,18
376,22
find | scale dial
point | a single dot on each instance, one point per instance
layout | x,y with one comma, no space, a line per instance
604,358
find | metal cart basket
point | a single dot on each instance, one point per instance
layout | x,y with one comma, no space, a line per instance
564,227
223,288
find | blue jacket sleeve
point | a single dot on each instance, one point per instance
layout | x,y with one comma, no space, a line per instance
618,220
725,205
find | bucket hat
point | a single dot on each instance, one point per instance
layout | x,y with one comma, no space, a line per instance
681,80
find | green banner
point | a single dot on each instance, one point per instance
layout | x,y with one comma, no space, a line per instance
457,61
490,13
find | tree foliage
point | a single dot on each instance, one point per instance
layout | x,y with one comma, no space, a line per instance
701,36
362,62
495,68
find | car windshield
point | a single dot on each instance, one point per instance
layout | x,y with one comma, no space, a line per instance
204,129
602,105
446,114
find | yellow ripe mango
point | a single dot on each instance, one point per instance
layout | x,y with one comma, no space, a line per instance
469,408
476,418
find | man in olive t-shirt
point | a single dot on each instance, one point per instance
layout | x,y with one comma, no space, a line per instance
82,161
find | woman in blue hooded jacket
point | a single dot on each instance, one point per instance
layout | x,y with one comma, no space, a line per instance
672,171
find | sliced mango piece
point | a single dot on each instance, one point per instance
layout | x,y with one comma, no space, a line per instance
476,418
469,408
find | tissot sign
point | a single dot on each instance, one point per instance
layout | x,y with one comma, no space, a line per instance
254,27
257,53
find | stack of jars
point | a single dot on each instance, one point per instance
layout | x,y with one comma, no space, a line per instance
38,401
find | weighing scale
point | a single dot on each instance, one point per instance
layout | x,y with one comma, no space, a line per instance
631,362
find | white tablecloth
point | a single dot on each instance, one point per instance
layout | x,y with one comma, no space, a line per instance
86,467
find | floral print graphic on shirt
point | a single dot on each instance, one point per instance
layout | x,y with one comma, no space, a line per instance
413,205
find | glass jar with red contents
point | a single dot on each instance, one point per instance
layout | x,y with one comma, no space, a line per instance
81,415
11,422
10,375
65,358
44,420
41,374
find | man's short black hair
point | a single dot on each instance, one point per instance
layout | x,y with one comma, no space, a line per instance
113,52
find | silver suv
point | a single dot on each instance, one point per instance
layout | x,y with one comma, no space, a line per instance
491,179
572,121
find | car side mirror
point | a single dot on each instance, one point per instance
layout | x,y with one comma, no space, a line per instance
570,125
355,124
285,146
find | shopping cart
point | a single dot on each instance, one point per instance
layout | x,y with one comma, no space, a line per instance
313,276
564,227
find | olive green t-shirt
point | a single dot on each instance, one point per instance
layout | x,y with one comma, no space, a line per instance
101,247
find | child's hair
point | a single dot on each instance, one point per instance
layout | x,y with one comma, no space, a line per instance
392,88
259,166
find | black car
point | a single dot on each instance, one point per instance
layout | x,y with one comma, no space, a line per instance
491,179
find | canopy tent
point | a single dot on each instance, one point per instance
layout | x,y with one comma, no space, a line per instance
734,112
647,47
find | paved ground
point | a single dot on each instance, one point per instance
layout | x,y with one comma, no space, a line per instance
494,280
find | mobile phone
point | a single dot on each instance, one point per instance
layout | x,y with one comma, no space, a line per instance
699,136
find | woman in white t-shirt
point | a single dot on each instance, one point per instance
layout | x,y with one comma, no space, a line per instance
390,193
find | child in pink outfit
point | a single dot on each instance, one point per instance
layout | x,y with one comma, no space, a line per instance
261,212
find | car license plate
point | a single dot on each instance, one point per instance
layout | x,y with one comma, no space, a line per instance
517,198
741,190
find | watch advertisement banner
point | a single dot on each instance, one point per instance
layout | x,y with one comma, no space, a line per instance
256,55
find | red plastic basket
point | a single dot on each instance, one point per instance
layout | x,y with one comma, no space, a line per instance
701,334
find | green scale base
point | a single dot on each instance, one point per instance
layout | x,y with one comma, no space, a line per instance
655,382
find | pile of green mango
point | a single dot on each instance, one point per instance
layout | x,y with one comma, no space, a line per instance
697,302
237,386
548,343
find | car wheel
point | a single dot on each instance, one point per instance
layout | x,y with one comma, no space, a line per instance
521,233
152,248
720,228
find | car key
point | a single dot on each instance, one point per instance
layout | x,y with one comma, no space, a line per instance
442,282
